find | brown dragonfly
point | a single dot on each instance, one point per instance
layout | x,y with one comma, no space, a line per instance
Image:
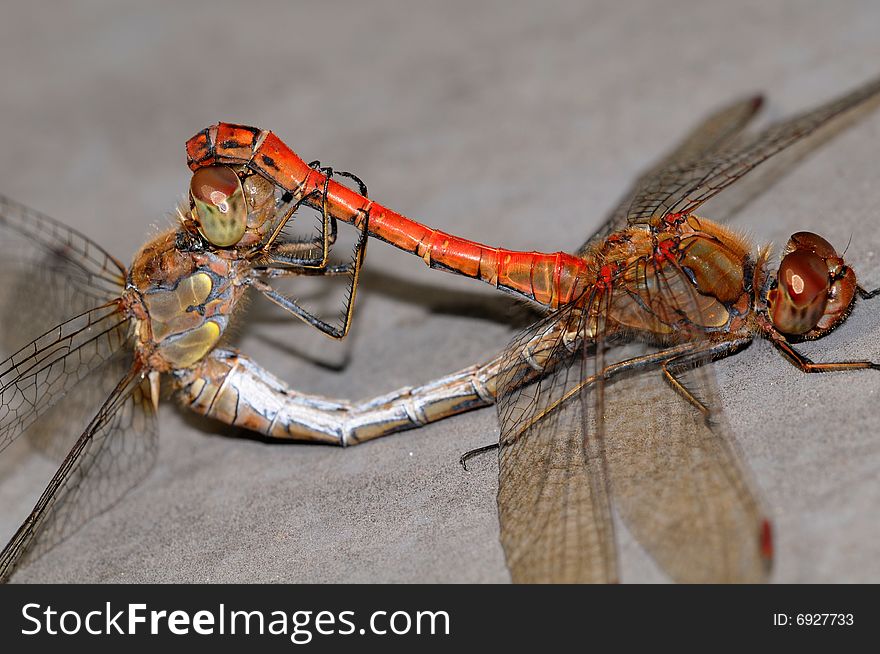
167,314
656,289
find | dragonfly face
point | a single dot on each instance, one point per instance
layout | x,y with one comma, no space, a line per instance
233,208
813,290
184,285
219,206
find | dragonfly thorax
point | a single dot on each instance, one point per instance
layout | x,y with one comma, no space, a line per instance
181,301
694,275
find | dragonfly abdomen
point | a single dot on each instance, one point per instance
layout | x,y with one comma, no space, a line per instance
548,279
229,387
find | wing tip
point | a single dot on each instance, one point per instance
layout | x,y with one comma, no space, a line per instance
756,102
766,540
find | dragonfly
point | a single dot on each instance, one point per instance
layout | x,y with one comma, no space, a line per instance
607,398
164,318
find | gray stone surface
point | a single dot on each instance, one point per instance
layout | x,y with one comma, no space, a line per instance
513,124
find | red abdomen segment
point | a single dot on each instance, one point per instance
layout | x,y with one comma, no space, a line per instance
548,279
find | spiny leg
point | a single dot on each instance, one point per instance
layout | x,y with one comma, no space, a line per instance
269,248
290,305
701,354
669,373
866,295
300,252
804,364
355,265
470,454
329,228
283,260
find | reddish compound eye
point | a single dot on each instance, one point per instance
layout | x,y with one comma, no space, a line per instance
219,205
798,302
805,276
812,243
814,288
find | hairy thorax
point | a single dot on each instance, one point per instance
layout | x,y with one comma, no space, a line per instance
691,275
181,300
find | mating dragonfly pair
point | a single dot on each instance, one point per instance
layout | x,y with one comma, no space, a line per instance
605,398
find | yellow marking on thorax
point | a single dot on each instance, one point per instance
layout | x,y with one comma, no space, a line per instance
168,309
189,348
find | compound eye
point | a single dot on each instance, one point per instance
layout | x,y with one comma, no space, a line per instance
219,205
799,302
811,242
805,277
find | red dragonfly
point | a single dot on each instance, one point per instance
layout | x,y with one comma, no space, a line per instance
121,328
657,290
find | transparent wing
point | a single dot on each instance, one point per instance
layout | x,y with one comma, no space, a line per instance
677,481
686,184
56,282
552,497
51,279
116,450
601,421
714,132
38,375
674,473
58,428
48,272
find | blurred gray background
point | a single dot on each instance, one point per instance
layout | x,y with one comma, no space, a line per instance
517,124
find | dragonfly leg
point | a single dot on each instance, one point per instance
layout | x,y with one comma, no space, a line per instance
293,307
353,269
804,364
295,253
865,294
697,356
230,387
362,188
680,388
328,232
470,454
269,247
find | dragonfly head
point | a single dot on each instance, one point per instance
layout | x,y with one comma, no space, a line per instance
218,205
813,290
232,207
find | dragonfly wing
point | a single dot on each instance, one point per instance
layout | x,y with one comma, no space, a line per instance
56,430
588,419
33,239
552,497
672,464
714,132
48,272
677,481
685,185
41,373
116,450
